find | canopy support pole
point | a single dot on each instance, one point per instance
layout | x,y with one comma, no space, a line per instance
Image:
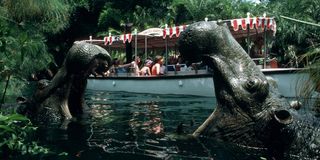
248,32
265,42
265,48
248,39
135,44
145,47
166,41
166,44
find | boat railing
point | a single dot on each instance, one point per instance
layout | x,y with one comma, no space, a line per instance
188,72
180,72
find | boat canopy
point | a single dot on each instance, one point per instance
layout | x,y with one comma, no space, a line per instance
240,28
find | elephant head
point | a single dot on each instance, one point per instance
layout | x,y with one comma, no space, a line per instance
63,97
249,110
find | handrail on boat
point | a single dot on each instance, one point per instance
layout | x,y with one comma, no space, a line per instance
182,72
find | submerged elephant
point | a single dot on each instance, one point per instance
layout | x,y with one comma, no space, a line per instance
250,111
63,97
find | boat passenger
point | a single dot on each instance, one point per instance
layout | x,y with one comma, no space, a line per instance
162,69
135,66
115,64
256,49
180,65
117,67
156,68
145,70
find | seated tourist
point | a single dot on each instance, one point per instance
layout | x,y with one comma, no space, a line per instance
162,69
118,67
180,65
135,66
145,70
113,68
156,68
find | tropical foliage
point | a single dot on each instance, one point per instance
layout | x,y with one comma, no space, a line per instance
15,135
17,138
36,32
298,39
24,25
142,14
293,38
198,10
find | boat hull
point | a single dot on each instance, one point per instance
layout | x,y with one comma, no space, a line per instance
197,85
288,82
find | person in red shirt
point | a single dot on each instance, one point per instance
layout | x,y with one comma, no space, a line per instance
156,68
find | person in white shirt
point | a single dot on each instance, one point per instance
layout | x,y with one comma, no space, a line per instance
145,70
135,66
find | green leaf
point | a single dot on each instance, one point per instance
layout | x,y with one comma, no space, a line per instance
6,128
63,154
24,150
3,118
18,117
14,136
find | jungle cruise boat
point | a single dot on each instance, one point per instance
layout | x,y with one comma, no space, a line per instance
185,80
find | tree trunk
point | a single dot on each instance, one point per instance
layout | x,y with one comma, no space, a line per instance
128,52
5,90
127,29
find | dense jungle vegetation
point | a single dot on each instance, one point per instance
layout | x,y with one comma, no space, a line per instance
36,34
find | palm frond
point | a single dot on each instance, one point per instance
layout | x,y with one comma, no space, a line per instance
48,15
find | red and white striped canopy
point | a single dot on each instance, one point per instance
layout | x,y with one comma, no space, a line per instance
155,36
124,37
255,22
176,30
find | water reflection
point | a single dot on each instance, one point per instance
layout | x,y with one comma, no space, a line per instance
146,117
119,125
144,126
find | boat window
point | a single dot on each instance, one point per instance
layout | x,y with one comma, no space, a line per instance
121,70
183,67
171,68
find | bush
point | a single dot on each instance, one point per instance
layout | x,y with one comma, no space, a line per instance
16,137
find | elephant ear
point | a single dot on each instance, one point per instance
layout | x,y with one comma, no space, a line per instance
81,55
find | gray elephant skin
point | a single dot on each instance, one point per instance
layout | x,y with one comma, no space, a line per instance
250,111
62,98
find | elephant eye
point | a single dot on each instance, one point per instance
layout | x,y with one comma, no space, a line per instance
252,85
257,86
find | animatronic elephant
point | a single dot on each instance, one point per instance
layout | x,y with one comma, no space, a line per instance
63,97
249,110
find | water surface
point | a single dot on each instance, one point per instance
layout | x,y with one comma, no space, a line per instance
120,125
